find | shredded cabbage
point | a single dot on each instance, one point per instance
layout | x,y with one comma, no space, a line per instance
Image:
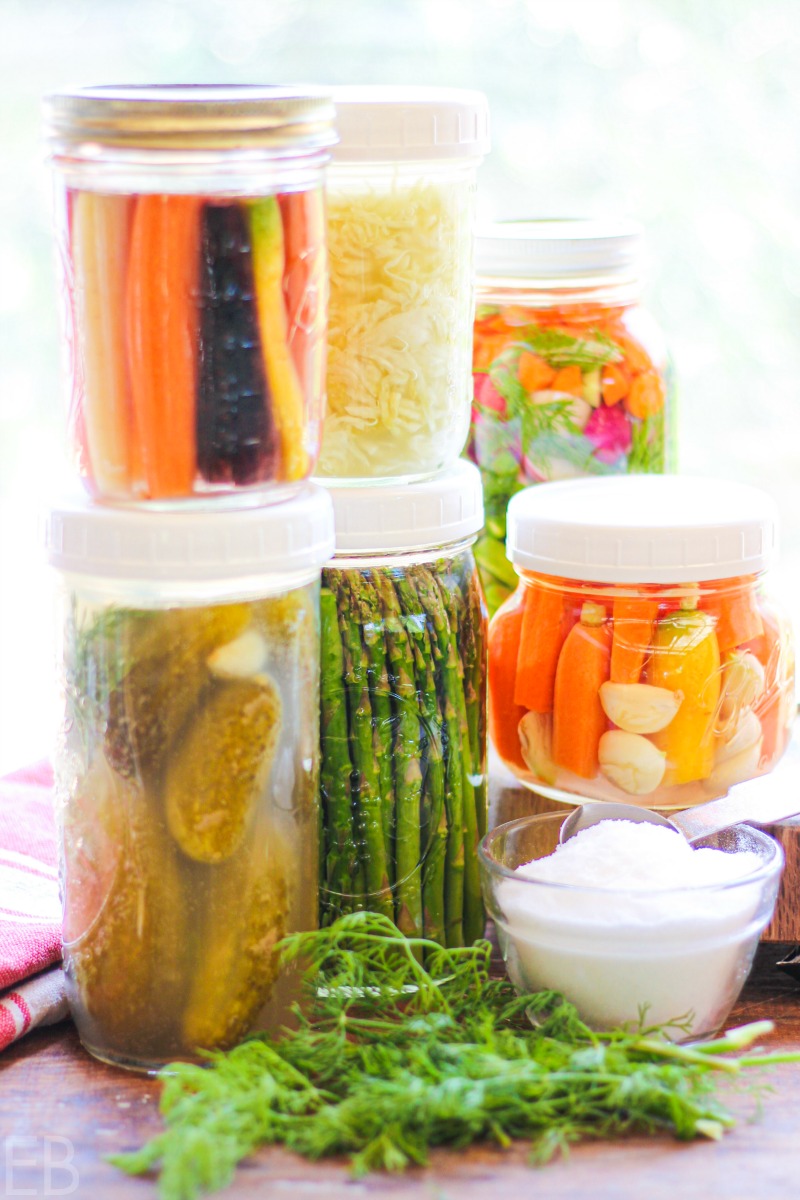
400,329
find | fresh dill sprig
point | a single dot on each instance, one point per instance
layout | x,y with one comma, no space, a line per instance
392,1057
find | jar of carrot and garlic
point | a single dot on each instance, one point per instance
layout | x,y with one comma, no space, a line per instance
641,658
570,373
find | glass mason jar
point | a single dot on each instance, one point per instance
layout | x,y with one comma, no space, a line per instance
403,708
186,768
571,375
401,206
192,254
641,658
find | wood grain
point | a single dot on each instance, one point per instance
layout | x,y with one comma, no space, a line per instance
55,1099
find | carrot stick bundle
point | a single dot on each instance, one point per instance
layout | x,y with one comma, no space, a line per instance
162,338
578,717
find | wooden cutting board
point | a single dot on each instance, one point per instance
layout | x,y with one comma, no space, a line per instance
508,799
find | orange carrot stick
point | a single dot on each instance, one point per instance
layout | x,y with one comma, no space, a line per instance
733,605
504,714
541,639
634,619
578,717
305,286
162,338
646,396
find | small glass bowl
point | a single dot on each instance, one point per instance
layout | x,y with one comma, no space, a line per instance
676,957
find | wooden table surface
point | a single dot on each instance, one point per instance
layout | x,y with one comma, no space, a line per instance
61,1113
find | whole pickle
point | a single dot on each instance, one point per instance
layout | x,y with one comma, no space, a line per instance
215,774
245,917
125,964
168,653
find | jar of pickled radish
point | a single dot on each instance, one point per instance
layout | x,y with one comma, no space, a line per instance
186,768
401,206
571,375
403,707
192,252
641,658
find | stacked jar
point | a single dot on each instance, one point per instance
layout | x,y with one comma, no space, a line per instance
571,375
192,244
403,618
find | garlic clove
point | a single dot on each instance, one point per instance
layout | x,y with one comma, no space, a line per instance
742,683
735,769
631,762
639,707
738,738
243,658
535,739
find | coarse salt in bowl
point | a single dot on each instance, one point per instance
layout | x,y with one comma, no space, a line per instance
633,925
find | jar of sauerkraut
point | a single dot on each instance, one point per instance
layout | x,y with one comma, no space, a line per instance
186,768
401,205
642,658
191,246
571,374
403,707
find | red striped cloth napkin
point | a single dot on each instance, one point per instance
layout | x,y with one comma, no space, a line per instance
30,910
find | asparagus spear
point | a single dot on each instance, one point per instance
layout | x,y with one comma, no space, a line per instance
460,634
335,768
373,634
472,644
448,686
368,819
406,762
433,818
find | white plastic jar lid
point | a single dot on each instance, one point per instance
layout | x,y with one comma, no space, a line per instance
559,249
409,516
388,124
642,529
194,547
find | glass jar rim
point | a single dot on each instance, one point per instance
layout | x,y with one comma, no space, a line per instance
189,116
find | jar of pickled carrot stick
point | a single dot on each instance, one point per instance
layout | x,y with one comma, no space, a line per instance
642,658
192,251
401,211
570,373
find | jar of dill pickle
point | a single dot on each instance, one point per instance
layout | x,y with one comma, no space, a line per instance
186,768
401,207
192,253
403,707
570,373
642,658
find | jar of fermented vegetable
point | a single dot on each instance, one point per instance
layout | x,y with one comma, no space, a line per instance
641,658
401,204
403,702
186,768
571,374
192,252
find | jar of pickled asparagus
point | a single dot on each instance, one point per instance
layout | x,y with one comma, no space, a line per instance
192,254
186,768
642,657
403,707
401,204
571,375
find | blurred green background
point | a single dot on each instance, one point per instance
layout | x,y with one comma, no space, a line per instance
683,114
